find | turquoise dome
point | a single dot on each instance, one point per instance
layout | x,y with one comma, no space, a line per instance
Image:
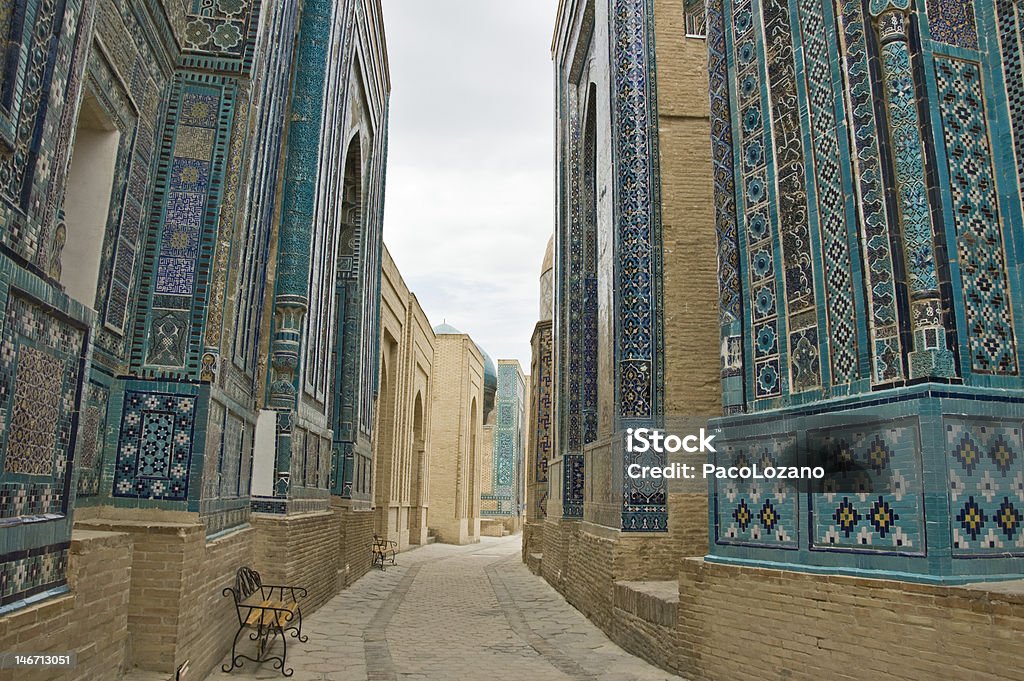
490,381
445,329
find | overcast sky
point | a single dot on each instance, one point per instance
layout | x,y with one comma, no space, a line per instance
469,182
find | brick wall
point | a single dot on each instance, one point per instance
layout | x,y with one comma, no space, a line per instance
207,620
557,537
644,620
176,611
356,532
455,475
590,566
302,550
755,624
92,620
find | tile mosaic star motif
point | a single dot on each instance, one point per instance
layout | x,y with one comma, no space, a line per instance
952,22
154,451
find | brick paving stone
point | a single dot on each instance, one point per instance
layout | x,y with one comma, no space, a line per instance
453,613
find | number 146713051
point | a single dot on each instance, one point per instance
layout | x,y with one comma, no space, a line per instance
17,660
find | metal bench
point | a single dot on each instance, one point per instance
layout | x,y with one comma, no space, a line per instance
270,611
383,550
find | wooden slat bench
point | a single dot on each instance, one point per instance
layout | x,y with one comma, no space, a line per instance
271,611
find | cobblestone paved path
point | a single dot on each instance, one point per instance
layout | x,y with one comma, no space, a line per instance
448,613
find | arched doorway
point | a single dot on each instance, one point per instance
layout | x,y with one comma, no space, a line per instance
473,496
387,493
418,475
354,469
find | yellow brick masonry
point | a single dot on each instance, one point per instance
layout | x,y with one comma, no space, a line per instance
456,440
752,624
91,621
176,612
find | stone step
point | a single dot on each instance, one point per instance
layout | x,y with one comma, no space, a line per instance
655,602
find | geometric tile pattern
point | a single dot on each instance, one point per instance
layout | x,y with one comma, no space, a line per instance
930,355
40,356
912,194
976,215
35,408
729,287
1010,46
638,228
831,198
509,438
273,71
231,454
571,310
542,402
542,405
154,450
89,447
753,512
198,123
985,464
791,201
27,573
222,28
32,499
571,307
872,498
879,284
757,233
189,182
638,329
952,22
31,51
588,341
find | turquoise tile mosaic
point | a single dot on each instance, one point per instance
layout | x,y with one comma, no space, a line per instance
985,463
873,498
890,200
757,512
508,455
155,443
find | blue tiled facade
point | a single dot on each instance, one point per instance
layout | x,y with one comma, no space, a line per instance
509,450
901,375
147,394
633,274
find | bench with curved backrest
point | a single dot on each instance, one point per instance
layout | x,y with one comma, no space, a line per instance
384,550
270,611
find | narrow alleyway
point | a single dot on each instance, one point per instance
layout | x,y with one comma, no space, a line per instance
450,613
